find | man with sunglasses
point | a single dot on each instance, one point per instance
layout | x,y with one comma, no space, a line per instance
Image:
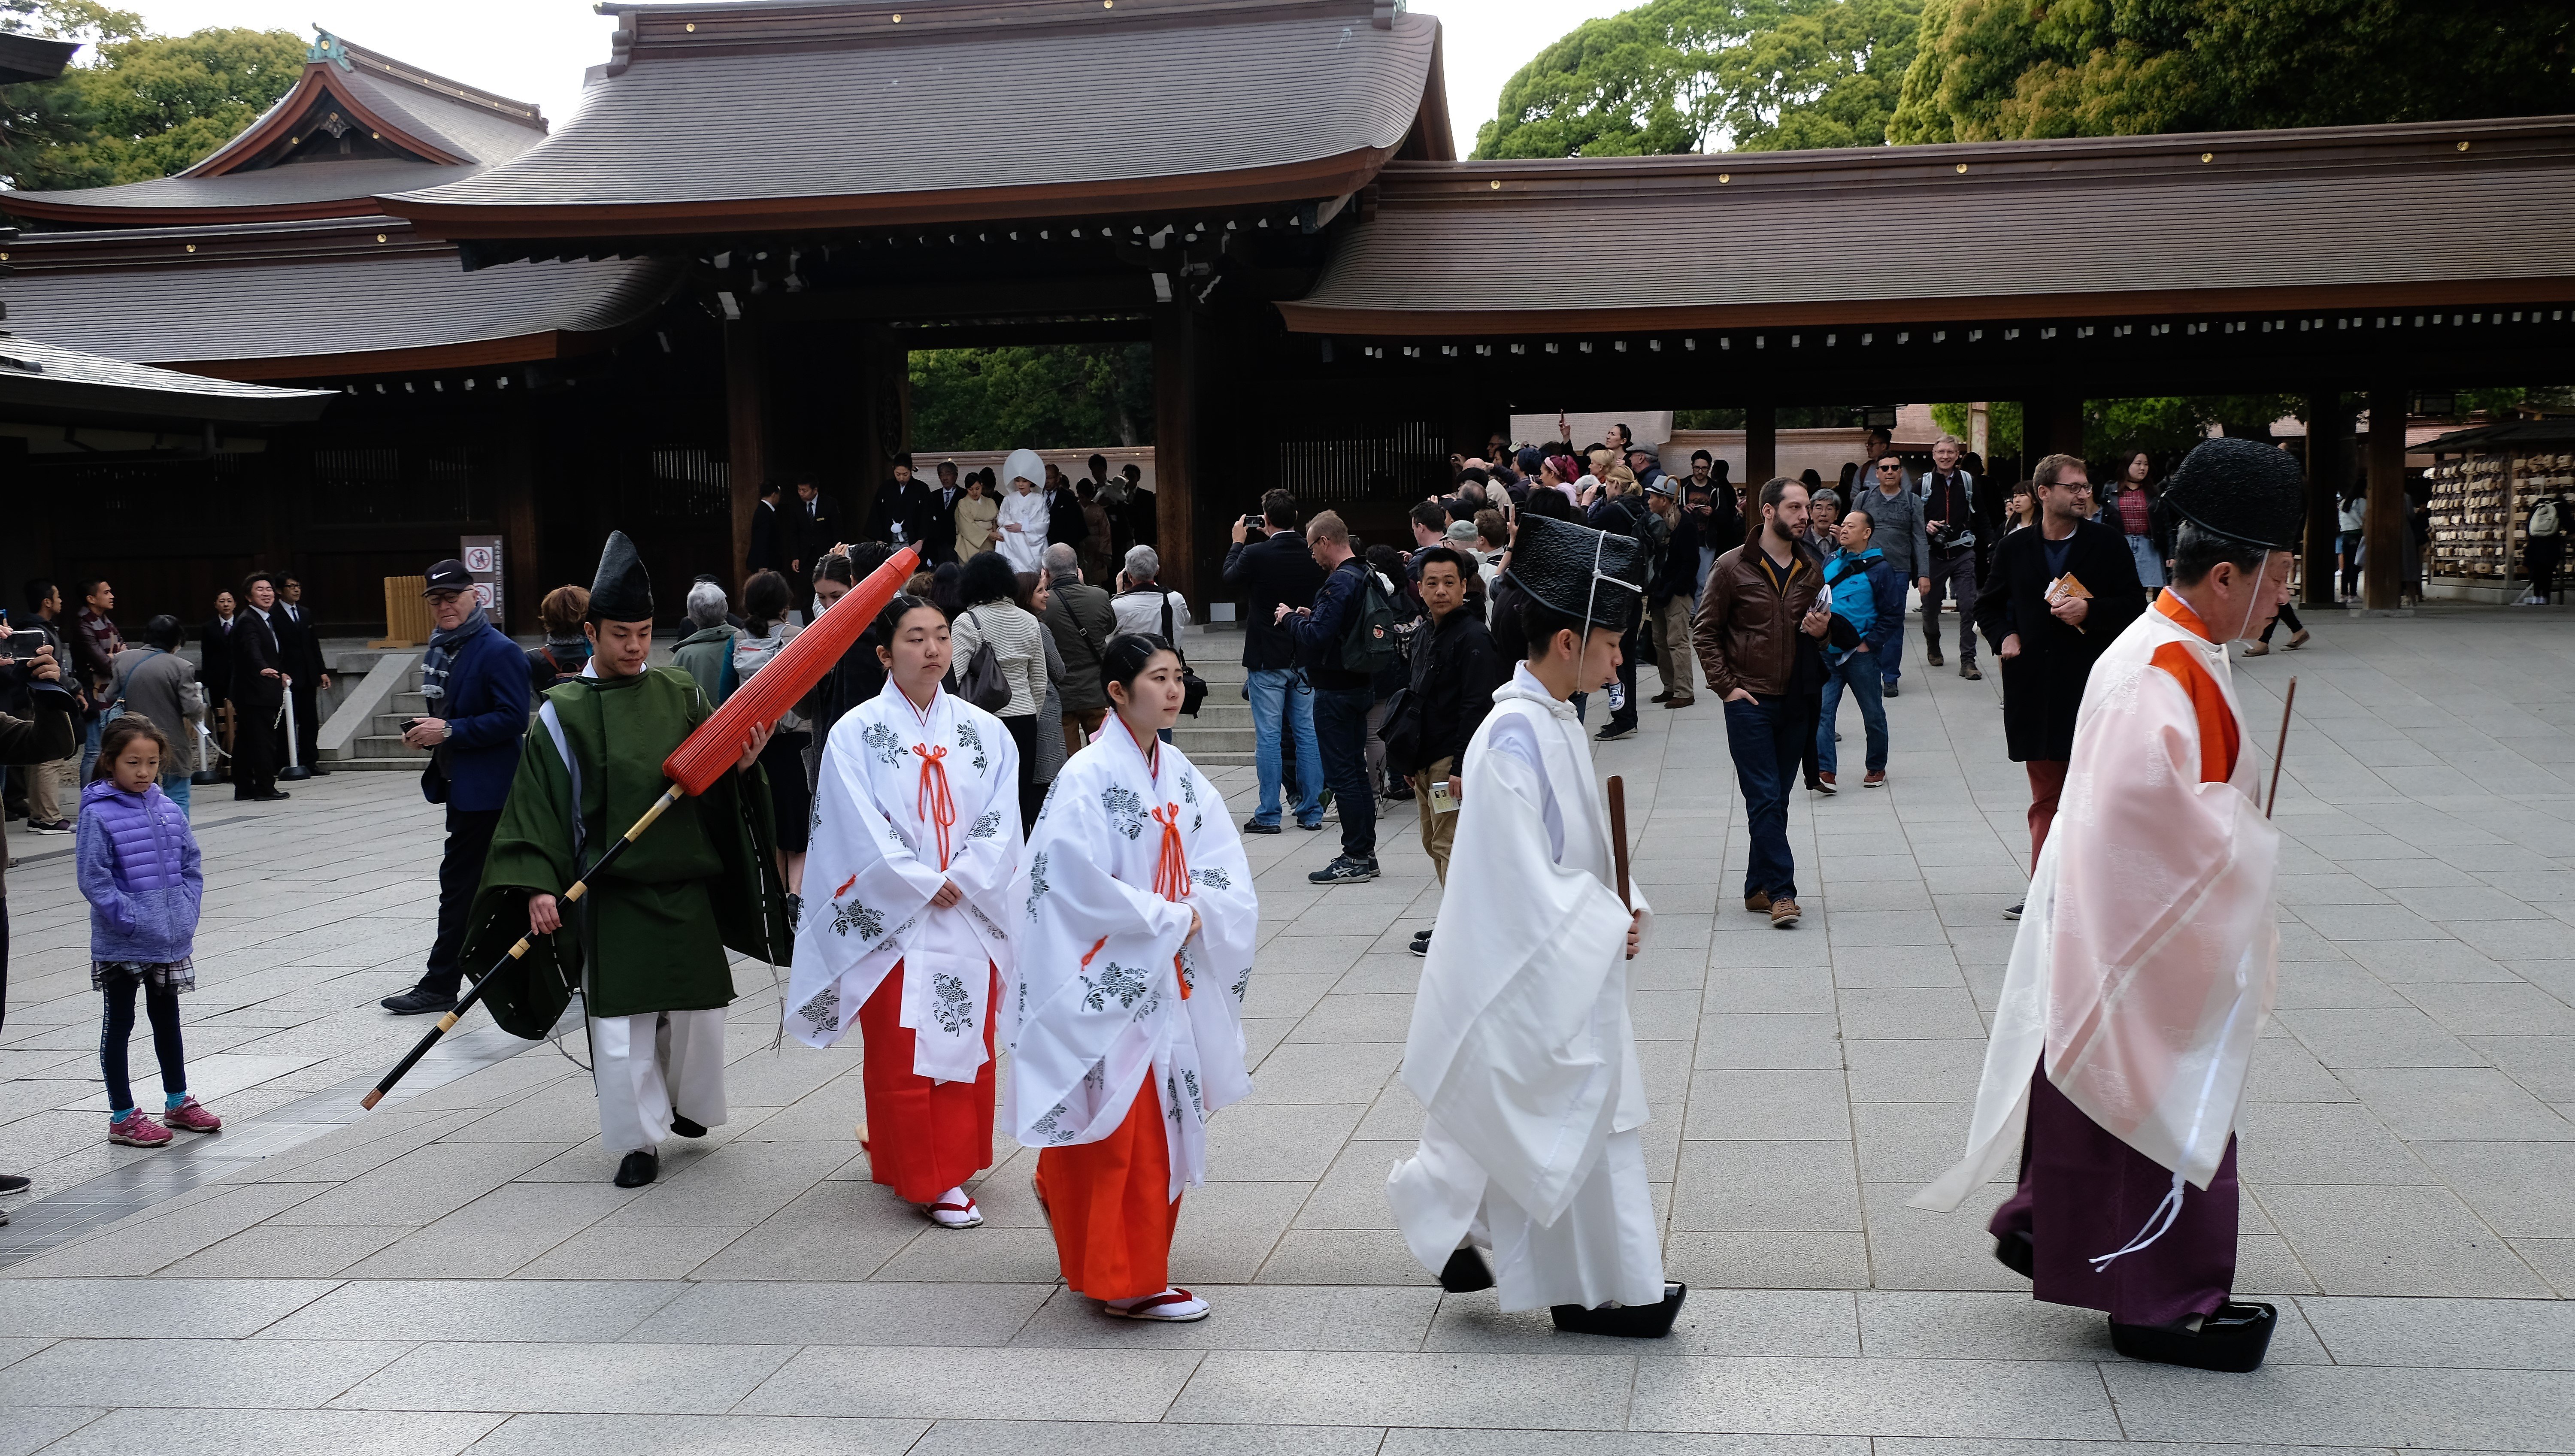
1891,502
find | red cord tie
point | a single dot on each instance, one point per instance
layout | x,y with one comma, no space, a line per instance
1172,872
932,803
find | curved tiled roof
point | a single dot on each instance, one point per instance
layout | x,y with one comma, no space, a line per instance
2149,224
48,377
841,102
354,183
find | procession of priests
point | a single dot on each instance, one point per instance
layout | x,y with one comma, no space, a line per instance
1108,949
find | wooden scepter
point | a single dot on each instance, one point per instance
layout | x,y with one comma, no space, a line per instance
706,754
1618,835
2288,701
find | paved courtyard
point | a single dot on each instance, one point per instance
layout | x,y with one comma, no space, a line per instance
455,1271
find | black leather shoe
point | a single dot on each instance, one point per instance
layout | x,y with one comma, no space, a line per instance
639,1168
272,796
2233,1340
13,1183
687,1128
1256,826
417,1001
1466,1272
1630,1322
2015,1252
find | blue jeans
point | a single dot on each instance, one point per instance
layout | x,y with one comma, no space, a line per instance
1340,730
1766,739
1890,658
1859,674
89,750
176,787
1277,695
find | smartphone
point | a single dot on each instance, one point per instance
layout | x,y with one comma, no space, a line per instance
1253,518
409,724
24,642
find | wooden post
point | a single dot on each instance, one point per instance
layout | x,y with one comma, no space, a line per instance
520,592
2383,575
2329,466
1177,391
745,433
1761,446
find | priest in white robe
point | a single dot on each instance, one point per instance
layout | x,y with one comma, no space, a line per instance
1522,1047
2147,954
916,834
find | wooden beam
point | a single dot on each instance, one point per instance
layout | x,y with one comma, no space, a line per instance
2383,575
1760,444
745,433
1176,391
2328,466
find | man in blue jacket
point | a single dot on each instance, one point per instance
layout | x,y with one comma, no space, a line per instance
1341,697
476,680
1867,592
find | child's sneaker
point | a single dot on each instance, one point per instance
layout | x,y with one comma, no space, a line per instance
190,1117
136,1130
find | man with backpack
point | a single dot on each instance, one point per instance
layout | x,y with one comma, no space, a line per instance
1342,642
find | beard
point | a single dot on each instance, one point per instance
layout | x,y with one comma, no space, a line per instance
1778,531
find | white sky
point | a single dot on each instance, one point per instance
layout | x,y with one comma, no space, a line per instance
536,50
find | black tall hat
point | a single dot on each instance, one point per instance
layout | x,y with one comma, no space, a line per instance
1556,561
2242,490
621,591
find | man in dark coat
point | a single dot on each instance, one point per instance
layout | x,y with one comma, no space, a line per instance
1065,521
1453,671
812,529
938,533
1268,566
2059,597
307,676
906,505
768,542
215,654
475,721
258,693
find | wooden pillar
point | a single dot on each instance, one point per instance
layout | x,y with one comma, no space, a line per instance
1761,446
519,595
2383,575
745,433
2328,466
885,425
2050,425
1178,392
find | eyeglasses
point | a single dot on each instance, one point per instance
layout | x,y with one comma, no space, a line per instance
1888,469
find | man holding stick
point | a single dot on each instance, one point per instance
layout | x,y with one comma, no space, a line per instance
2148,958
1522,1047
647,943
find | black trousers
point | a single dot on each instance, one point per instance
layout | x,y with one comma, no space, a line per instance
1024,737
460,870
4,963
2289,615
1626,678
116,1030
308,723
256,749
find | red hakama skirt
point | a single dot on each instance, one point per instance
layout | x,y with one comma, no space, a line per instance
924,1137
1111,1206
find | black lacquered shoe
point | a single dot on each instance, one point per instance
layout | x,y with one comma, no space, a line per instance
1466,1272
686,1127
639,1168
2232,1341
2015,1252
1628,1322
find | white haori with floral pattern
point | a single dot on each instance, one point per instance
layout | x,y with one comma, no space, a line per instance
873,868
1098,1002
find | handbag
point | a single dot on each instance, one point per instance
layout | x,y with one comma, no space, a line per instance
982,684
1193,689
1400,731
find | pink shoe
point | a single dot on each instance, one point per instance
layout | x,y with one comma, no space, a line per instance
134,1129
190,1117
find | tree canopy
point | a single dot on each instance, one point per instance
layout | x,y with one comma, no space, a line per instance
1998,70
1046,397
1691,75
138,106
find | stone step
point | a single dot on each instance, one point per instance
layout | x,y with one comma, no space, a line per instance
385,746
1199,741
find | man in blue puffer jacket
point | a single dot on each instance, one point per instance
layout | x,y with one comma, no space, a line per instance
476,680
1869,592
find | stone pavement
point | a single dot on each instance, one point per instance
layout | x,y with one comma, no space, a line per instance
455,1271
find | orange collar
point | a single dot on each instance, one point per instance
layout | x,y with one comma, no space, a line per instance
2179,611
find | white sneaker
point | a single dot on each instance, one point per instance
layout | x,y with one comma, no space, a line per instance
1171,1306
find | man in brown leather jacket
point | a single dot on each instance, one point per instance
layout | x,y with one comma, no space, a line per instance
1758,598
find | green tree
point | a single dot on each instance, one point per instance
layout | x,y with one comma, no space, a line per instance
1988,70
158,104
2002,424
37,117
1043,395
1675,76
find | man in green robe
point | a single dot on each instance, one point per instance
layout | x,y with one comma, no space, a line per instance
646,943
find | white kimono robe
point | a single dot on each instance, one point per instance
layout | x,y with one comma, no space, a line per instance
1111,986
1521,1050
2149,951
1023,549
882,826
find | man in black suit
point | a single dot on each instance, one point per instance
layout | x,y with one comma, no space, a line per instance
1065,521
768,550
938,533
2048,638
259,693
812,531
903,507
307,675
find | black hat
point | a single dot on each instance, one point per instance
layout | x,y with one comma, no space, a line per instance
449,575
621,591
2242,490
1554,560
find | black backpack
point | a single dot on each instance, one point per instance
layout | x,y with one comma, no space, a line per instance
1369,642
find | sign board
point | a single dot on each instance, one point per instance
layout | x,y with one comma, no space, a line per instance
482,557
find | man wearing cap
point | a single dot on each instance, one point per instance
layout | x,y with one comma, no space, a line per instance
2148,954
647,943
476,682
1522,1047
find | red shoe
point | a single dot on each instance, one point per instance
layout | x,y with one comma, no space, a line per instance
1877,780
188,1116
134,1129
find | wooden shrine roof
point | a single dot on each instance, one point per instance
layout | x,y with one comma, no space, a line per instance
46,380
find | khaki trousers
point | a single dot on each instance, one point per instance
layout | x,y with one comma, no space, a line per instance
1674,648
1438,831
1078,726
47,786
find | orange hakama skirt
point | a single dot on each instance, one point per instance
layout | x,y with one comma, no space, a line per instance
924,1137
1110,1207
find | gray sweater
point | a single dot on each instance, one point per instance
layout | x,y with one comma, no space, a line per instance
1900,529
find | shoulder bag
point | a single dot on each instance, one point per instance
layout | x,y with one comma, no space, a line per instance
982,684
1193,689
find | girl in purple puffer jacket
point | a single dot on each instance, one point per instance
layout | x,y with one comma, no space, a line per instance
139,871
